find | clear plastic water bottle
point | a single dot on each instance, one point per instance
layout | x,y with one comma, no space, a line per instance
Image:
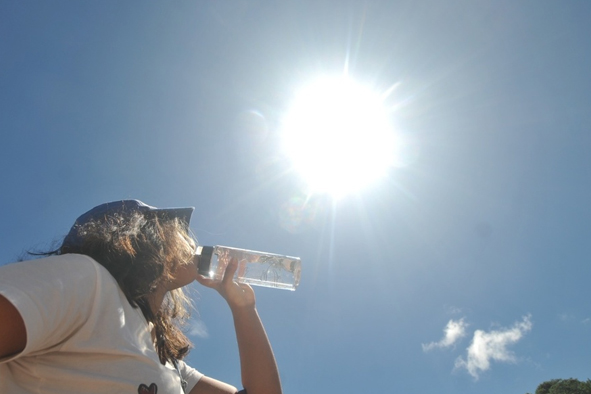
254,268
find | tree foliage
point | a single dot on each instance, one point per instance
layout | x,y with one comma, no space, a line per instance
564,386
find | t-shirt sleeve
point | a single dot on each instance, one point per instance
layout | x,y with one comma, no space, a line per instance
191,375
54,296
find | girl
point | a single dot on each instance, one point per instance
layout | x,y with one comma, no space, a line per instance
103,312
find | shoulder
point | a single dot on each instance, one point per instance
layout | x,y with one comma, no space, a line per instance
55,296
60,280
67,265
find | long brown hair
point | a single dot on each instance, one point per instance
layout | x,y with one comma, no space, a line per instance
142,250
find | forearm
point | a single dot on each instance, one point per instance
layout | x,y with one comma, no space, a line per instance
257,362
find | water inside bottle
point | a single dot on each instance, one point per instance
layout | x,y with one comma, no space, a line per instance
261,269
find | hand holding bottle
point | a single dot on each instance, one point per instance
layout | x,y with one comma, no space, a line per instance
236,294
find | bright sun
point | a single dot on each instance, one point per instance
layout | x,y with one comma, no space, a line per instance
339,136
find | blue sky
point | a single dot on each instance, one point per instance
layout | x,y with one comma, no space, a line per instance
464,271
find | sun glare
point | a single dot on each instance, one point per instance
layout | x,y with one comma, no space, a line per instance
339,136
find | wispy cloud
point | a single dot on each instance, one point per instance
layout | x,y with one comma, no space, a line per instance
573,319
454,310
492,346
566,317
453,331
197,328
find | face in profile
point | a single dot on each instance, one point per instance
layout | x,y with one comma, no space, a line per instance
185,271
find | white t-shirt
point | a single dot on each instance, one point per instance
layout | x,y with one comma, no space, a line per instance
83,336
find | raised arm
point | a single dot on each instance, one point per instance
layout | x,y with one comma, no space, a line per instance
257,362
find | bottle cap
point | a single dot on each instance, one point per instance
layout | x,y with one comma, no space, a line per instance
204,260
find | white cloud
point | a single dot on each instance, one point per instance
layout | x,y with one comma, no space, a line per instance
197,328
453,331
492,346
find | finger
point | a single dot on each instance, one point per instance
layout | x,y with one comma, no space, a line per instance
230,270
205,281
